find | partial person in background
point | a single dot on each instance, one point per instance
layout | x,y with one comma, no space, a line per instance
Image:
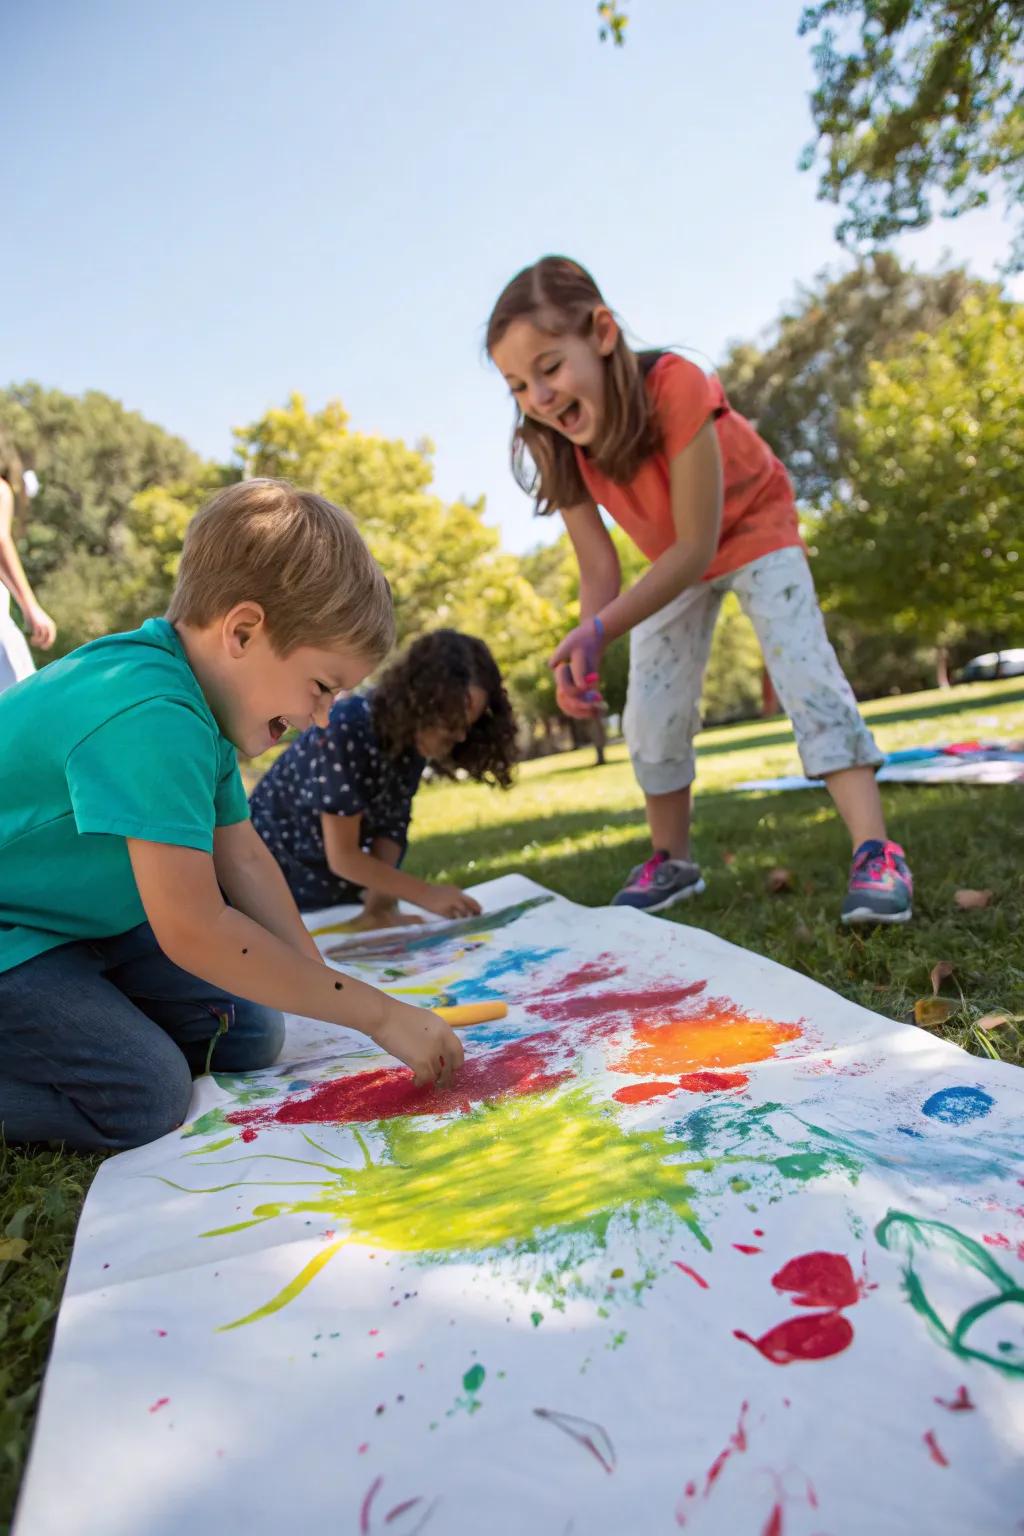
15,658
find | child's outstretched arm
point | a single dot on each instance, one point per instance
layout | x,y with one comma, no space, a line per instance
251,879
199,932
42,629
346,859
695,477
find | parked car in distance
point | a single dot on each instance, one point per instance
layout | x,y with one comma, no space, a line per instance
982,669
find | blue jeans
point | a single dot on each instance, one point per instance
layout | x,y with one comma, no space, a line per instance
100,1039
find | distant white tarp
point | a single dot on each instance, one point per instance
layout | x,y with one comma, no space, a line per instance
971,762
692,1244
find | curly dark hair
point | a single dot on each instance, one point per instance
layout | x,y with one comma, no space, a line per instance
428,686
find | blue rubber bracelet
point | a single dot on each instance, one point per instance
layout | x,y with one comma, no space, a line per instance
599,626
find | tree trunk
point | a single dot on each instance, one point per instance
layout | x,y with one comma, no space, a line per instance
600,739
942,666
769,698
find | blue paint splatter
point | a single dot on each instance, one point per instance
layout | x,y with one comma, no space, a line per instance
905,1130
514,962
956,1106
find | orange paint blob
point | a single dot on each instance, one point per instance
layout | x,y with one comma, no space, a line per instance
639,1093
719,1035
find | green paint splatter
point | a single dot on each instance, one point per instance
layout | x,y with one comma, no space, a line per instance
473,1379
739,1186
536,1318
915,1239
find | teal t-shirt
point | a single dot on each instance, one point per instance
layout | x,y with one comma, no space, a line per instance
114,741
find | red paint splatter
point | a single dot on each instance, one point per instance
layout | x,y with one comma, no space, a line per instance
820,1280
803,1338
959,1404
692,1274
374,1332
364,1447
650,1000
640,1093
161,1402
712,1082
773,1526
604,968
934,1450
1000,1240
161,1333
759,1232
736,1443
747,1248
367,1505
401,1509
521,1067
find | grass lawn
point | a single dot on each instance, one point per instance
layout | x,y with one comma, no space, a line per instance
577,829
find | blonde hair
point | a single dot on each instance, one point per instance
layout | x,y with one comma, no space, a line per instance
297,555
560,297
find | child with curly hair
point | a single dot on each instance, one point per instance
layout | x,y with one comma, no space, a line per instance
335,807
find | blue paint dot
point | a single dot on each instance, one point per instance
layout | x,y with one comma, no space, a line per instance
956,1106
905,1130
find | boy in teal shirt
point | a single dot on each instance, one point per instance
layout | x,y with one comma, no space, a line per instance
124,826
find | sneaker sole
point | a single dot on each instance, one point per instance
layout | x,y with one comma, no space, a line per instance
697,889
865,915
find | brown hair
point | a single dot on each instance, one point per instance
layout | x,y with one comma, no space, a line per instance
560,297
297,555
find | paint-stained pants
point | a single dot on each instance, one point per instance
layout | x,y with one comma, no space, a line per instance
669,652
99,1041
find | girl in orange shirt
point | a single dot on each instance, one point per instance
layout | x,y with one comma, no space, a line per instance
651,439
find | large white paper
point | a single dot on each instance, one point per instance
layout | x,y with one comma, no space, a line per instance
694,1244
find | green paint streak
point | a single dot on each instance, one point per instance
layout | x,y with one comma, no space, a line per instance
210,1146
536,1318
473,1379
213,1120
739,1186
914,1239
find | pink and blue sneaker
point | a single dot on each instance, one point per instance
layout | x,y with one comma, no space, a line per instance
659,883
881,888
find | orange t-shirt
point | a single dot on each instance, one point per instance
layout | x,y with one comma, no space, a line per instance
759,509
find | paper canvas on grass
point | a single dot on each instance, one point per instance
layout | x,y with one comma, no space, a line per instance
692,1245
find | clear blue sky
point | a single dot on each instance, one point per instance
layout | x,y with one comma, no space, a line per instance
211,203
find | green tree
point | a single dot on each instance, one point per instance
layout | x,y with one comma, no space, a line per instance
925,538
86,539
917,101
445,565
796,385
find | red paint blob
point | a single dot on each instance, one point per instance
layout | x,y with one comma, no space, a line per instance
639,1093
161,1402
161,1333
820,1280
959,1404
747,1248
712,1082
521,1067
692,1274
650,1000
773,1526
803,1338
934,1450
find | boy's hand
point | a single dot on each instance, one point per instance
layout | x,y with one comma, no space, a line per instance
422,1040
449,901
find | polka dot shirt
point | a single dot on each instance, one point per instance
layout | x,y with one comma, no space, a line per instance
344,771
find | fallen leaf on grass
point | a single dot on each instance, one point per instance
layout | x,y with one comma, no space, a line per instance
778,881
968,901
940,971
13,1249
995,1020
930,1012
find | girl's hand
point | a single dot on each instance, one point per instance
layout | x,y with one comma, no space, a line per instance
449,901
422,1040
575,663
42,629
